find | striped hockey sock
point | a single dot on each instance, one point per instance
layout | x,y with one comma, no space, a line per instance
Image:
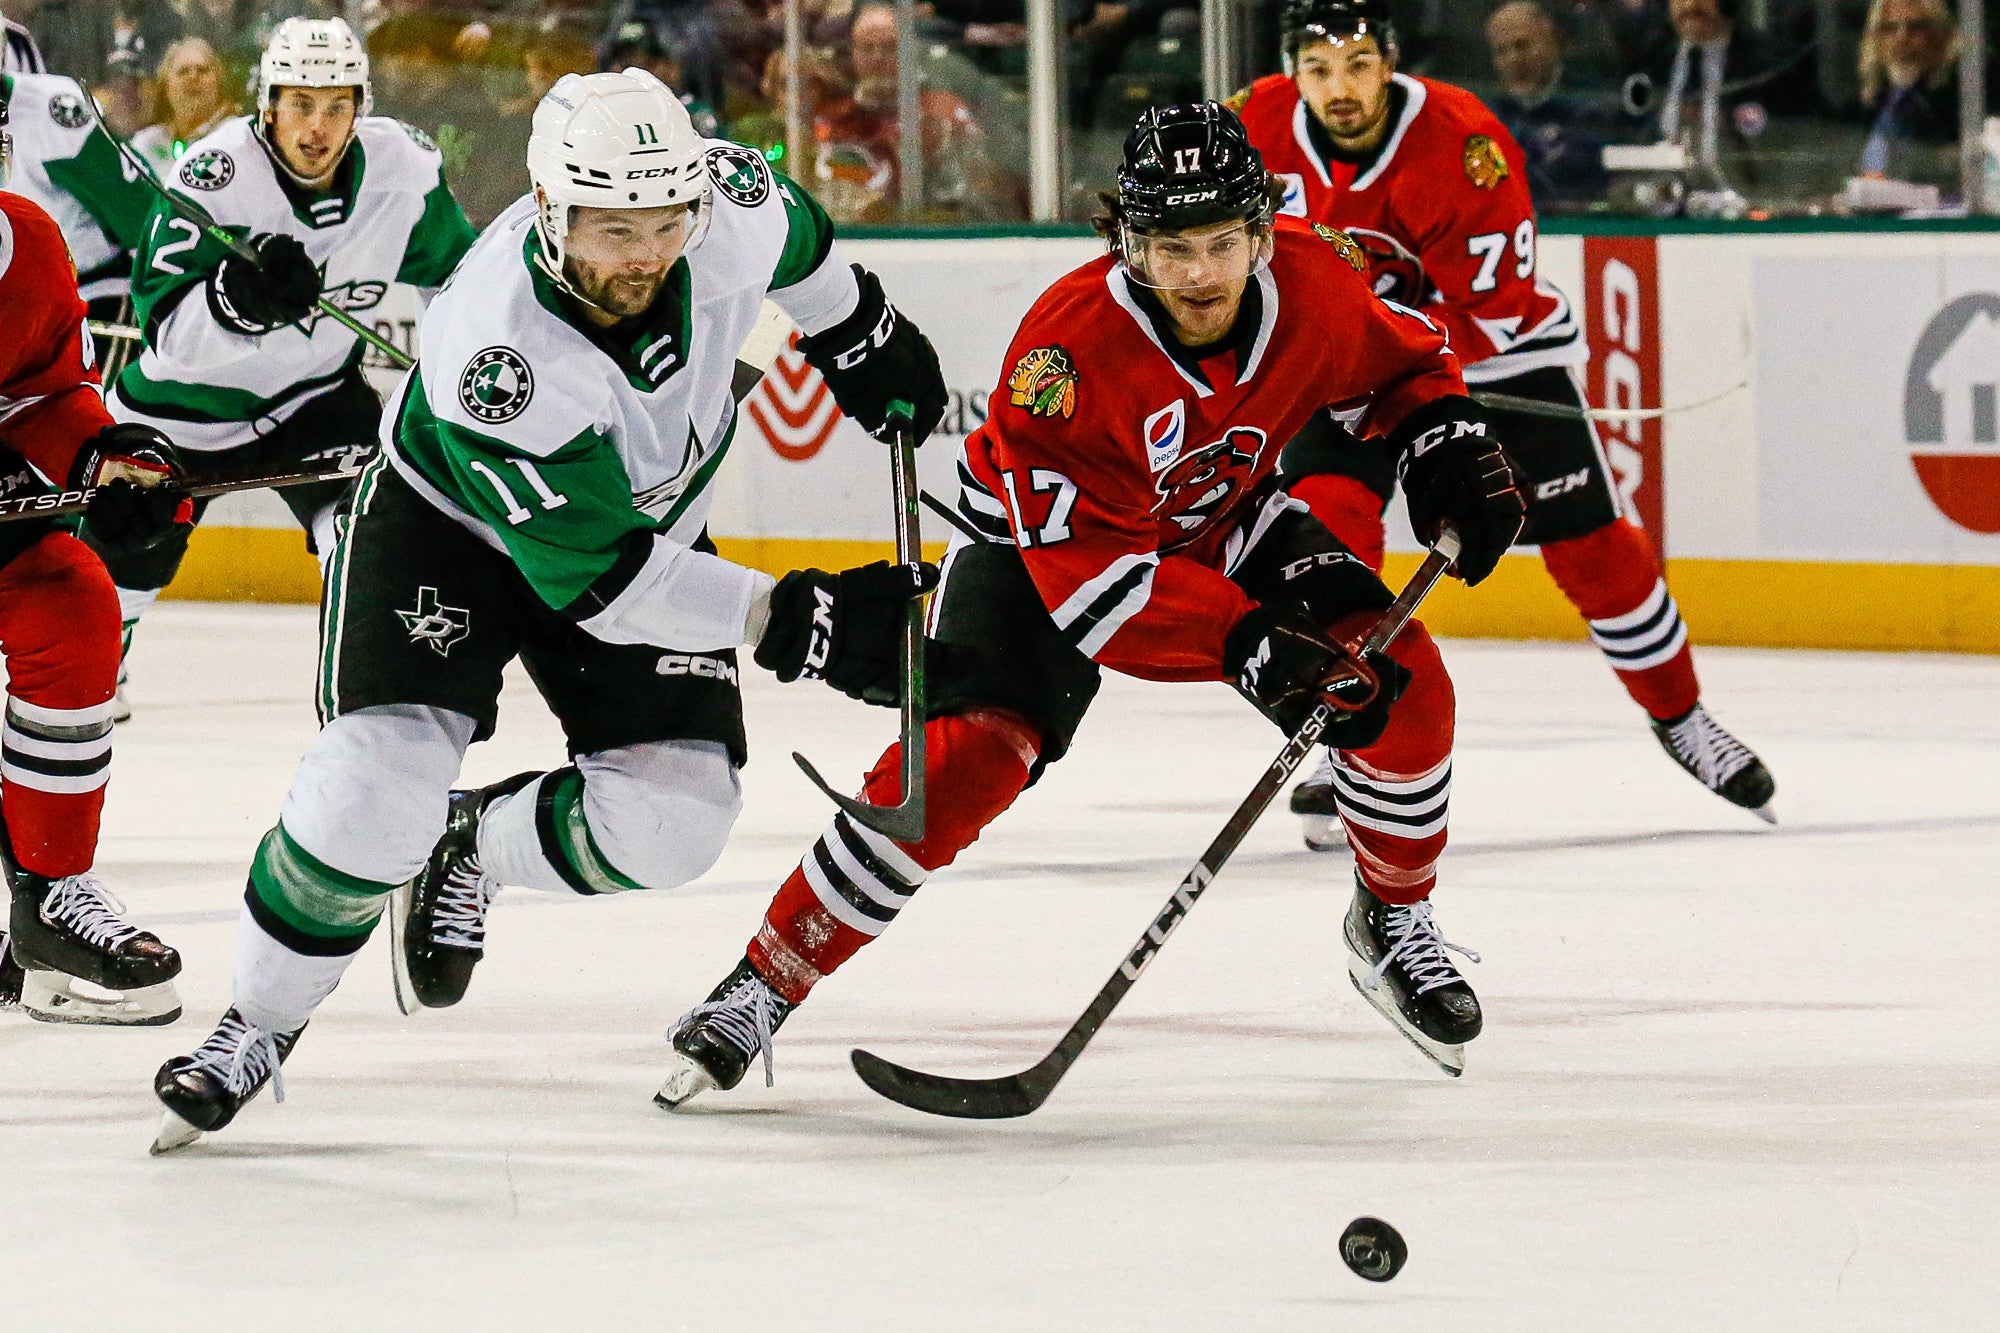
1613,577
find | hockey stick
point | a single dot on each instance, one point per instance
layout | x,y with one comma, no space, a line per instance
904,822
1535,407
1019,1094
202,218
62,504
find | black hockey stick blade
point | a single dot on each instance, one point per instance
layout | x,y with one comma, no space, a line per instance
898,823
962,1098
1020,1094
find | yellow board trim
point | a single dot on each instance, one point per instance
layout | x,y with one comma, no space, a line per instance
1762,603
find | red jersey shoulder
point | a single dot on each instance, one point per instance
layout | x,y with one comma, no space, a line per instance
34,260
1043,376
1265,108
1455,134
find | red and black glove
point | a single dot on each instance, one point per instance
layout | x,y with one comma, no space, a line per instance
1455,471
135,505
1280,660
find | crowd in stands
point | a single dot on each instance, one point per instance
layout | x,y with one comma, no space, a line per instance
1778,99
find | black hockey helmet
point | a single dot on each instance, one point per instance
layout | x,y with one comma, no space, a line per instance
1190,166
1304,22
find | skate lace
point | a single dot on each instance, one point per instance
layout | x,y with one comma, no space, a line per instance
459,920
1709,752
744,1015
82,904
1417,945
241,1054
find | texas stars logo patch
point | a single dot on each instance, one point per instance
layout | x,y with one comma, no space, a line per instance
1485,164
739,174
68,111
210,169
1044,381
1344,245
496,385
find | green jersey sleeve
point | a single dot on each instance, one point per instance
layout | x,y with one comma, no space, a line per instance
808,236
174,255
438,241
566,518
100,180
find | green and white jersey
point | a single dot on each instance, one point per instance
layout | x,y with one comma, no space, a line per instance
64,162
387,216
588,455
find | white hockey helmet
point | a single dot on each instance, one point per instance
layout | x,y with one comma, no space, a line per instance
609,140
313,53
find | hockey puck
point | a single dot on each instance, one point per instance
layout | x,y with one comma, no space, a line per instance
1373,1249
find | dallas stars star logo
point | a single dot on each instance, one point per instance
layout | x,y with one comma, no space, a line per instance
436,624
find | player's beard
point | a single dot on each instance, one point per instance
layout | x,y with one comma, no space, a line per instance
617,291
1203,315
1350,122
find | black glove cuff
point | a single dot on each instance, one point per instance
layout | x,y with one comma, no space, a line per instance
850,342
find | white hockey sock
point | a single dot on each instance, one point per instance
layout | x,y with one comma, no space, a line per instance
278,988
510,847
136,602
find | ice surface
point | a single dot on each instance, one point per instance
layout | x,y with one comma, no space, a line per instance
1732,1077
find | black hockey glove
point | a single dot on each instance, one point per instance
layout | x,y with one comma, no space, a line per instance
281,288
877,356
1280,660
134,506
1454,471
845,629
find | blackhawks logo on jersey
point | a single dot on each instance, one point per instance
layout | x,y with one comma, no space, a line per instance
1485,164
740,174
1044,382
1238,100
210,169
1344,245
496,385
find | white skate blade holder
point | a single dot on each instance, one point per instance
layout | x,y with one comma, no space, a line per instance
1449,1058
57,997
1324,833
174,1133
399,914
686,1081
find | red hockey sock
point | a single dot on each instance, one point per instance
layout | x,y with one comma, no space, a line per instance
59,629
1613,577
854,881
1395,795
1350,511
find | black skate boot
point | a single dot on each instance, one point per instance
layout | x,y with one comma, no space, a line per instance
1718,761
715,1041
10,975
1313,803
437,922
1400,966
69,931
203,1091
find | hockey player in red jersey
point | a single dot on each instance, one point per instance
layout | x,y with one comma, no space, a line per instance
1125,488
1432,185
59,632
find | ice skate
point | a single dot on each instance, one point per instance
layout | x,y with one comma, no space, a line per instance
1401,966
81,962
10,975
437,922
1313,803
715,1041
1718,761
203,1091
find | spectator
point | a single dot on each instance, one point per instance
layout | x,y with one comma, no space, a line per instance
1722,89
125,93
1909,82
190,86
1561,134
76,37
859,170
638,44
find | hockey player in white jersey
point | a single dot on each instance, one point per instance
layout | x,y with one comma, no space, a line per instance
63,161
240,368
543,492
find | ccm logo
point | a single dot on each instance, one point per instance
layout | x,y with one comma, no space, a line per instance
1575,481
1320,561
1435,436
1197,197
650,173
686,664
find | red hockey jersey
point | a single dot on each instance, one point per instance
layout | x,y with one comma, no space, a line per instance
51,403
1122,472
1444,211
